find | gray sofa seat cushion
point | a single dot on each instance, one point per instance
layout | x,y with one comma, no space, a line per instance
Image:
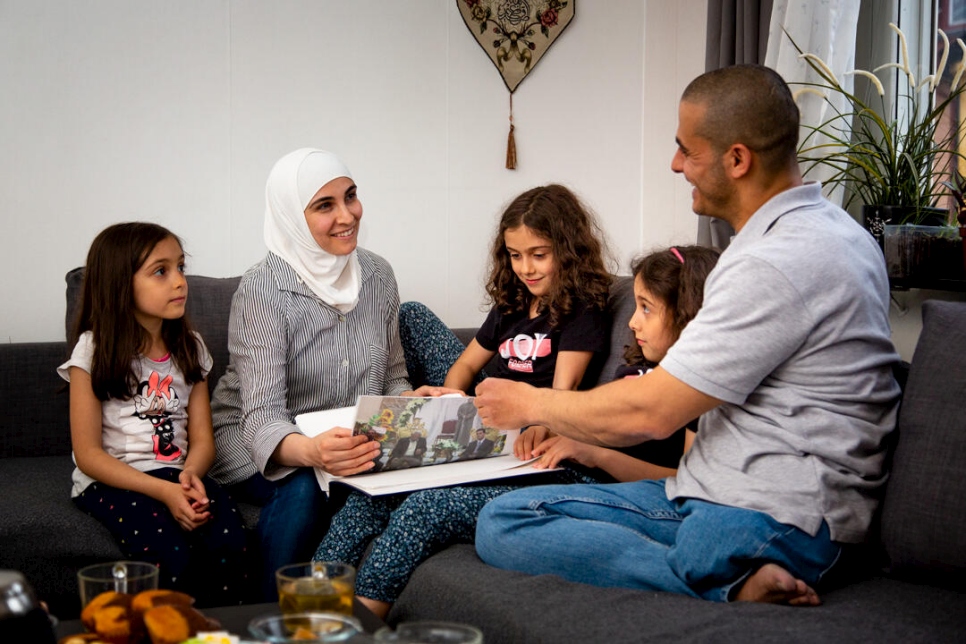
455,585
41,518
924,511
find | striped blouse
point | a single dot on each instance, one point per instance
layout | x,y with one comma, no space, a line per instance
291,353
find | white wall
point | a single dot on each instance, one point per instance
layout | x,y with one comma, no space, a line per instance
174,112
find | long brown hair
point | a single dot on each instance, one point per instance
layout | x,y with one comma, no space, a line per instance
107,311
556,214
676,277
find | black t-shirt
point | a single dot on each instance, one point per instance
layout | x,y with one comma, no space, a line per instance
527,348
667,452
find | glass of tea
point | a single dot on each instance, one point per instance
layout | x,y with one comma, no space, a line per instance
129,577
316,586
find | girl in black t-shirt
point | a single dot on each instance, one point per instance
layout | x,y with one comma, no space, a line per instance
548,286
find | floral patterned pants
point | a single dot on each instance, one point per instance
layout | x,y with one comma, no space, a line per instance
429,346
406,529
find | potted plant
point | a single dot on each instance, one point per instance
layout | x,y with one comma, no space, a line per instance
957,189
893,156
922,255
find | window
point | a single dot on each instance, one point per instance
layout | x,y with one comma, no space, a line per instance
955,13
951,18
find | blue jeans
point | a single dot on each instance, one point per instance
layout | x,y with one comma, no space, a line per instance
294,518
630,535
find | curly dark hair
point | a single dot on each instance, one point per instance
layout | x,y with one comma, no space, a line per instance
679,285
577,243
107,311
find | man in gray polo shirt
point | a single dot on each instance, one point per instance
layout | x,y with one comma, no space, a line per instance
788,363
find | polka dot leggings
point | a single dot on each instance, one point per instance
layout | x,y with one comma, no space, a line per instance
208,562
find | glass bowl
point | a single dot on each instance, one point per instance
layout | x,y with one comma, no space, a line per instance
305,628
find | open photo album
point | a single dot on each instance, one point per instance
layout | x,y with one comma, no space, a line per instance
414,433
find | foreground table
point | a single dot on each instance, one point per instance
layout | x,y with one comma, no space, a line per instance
234,619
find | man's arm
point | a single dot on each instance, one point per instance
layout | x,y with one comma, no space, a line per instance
620,413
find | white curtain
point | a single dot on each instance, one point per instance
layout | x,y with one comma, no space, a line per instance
826,28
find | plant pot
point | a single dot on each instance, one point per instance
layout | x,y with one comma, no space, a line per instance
923,253
876,217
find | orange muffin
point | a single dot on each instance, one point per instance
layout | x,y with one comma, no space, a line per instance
113,625
174,623
151,598
82,638
105,599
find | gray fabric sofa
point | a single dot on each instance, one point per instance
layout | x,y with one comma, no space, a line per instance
910,577
908,584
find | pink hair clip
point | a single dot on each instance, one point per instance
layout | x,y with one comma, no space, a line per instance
677,253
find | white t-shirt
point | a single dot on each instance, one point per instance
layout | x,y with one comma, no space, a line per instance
149,430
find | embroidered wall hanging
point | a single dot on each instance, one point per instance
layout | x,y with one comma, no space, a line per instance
515,34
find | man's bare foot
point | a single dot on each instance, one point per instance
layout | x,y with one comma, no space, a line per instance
376,607
772,584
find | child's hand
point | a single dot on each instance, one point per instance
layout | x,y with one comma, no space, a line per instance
558,448
179,505
428,390
194,490
340,453
534,435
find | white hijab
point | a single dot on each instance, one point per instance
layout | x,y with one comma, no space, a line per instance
293,181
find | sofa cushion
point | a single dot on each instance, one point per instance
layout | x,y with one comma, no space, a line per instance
41,518
208,308
455,585
924,510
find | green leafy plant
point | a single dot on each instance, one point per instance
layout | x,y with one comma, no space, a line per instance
898,154
957,190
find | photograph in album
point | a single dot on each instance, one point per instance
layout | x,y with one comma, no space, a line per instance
425,431
445,432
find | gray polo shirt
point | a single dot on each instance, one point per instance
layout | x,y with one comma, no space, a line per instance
794,337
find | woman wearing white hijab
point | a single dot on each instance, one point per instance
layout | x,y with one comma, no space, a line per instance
313,326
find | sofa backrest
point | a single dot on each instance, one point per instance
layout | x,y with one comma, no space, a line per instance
620,307
35,421
208,308
923,520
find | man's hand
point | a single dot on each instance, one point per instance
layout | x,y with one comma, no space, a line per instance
340,453
502,404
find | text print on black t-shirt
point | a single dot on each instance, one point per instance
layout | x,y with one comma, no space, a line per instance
521,350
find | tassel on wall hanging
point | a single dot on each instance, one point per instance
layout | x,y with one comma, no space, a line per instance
515,34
